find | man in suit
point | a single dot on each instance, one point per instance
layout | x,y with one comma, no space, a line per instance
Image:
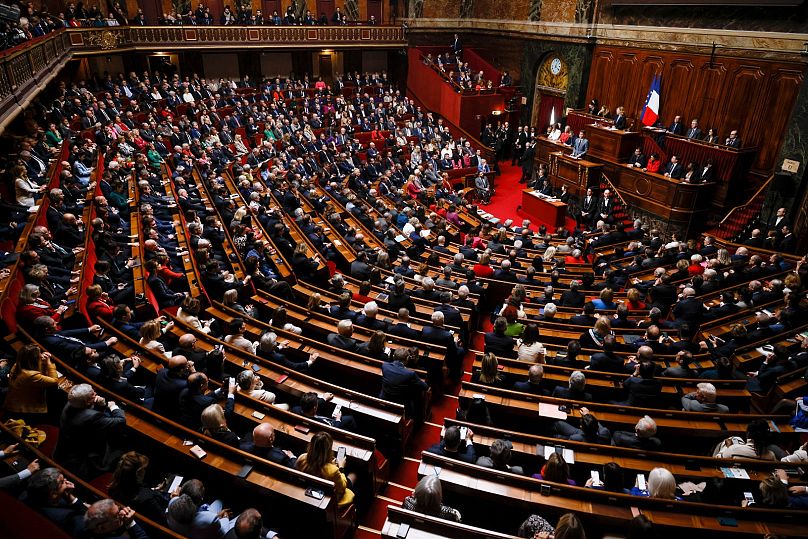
643,437
590,431
703,400
580,146
676,127
694,132
497,342
70,343
733,141
620,118
589,205
310,404
605,207
787,242
572,297
169,383
195,398
343,338
689,309
399,383
453,447
779,220
263,445
533,384
608,360
706,173
86,429
528,161
437,334
402,326
51,494
674,170
457,46
637,159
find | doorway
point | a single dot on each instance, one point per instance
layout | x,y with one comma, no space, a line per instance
327,7
326,68
268,7
375,8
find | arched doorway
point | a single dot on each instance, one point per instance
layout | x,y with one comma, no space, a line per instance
552,79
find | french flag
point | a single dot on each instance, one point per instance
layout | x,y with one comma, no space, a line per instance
650,112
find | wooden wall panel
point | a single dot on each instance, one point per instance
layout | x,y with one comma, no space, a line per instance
755,96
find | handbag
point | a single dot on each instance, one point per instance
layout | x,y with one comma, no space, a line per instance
30,435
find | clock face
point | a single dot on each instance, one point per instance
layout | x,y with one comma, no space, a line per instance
555,66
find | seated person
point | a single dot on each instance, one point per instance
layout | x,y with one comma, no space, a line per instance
499,457
533,384
556,470
453,447
703,400
427,498
643,436
590,430
575,391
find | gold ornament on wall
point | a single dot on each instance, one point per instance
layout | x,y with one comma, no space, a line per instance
553,74
106,40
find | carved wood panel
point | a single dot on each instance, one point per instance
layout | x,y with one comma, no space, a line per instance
752,95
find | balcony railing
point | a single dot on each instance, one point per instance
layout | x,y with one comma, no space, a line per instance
26,68
89,40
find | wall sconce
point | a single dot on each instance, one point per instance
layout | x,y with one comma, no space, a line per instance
496,112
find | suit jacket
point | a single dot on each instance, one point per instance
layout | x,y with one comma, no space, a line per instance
675,170
606,362
571,298
580,147
273,454
643,392
620,121
403,330
344,343
623,438
501,345
694,133
84,435
400,384
465,453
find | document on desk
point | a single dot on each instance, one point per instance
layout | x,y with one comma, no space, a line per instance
568,454
551,411
735,473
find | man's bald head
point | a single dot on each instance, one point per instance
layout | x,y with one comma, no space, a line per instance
264,435
187,341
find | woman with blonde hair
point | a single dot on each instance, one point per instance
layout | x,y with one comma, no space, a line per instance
189,313
150,332
489,371
214,424
30,306
319,460
26,189
280,320
549,254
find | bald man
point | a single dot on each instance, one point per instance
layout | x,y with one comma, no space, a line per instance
689,309
263,445
169,384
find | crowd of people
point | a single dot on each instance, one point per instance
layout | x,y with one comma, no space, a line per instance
288,141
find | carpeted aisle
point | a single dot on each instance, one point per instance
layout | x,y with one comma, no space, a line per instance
508,197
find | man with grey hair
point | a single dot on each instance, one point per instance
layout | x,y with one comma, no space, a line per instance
463,300
437,334
703,400
576,390
427,290
88,429
549,312
643,437
445,280
533,384
457,263
343,338
567,247
269,350
689,309
105,518
50,494
368,318
504,273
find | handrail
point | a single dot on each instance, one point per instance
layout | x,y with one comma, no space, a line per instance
615,191
748,202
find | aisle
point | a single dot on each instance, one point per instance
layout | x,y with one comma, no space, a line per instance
508,197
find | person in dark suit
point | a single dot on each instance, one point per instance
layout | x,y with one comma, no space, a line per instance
343,339
643,389
195,398
733,141
572,297
694,132
262,444
88,429
787,243
676,127
590,430
575,390
637,159
681,370
586,318
706,172
589,206
779,220
453,447
674,169
643,437
580,146
605,207
620,118
402,326
533,384
608,360
400,383
496,342
71,343
310,405
689,309
50,494
437,334
457,46
169,383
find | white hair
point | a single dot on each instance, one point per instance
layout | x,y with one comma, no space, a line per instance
550,309
646,427
707,391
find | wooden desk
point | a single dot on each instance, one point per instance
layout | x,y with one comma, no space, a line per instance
578,174
612,144
550,212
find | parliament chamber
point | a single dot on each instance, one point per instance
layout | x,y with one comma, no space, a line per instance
406,269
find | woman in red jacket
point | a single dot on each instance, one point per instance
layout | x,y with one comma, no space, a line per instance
31,307
99,306
483,267
653,164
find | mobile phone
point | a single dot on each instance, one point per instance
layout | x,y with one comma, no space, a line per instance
198,452
337,411
302,428
70,302
728,521
255,368
403,530
244,471
463,432
314,493
340,453
641,482
258,415
749,498
595,475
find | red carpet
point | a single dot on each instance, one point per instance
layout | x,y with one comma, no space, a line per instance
508,197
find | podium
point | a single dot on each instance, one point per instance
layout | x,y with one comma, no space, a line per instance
612,144
538,208
578,174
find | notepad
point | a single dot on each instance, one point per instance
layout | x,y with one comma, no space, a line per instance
551,411
568,454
